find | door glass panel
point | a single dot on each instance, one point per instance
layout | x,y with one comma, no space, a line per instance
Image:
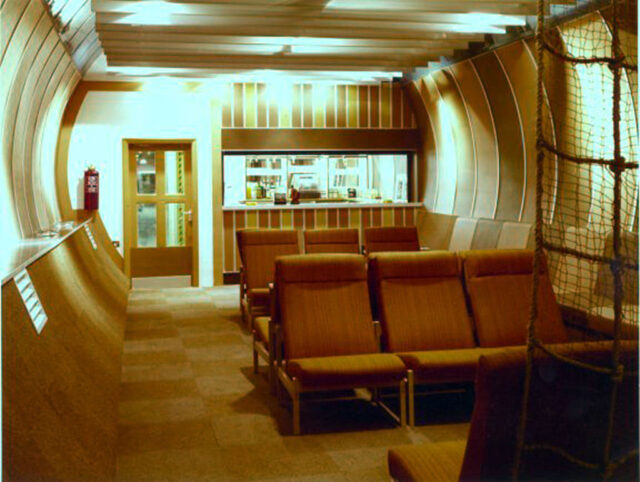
176,233
174,172
146,172
147,225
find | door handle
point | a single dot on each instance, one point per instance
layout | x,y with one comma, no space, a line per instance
189,215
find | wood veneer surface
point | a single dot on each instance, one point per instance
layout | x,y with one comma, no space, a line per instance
60,388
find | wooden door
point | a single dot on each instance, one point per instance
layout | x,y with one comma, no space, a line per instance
159,211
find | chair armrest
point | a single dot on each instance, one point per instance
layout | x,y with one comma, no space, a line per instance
275,334
273,301
377,329
275,345
243,286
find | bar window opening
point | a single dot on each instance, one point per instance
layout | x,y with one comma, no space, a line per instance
267,178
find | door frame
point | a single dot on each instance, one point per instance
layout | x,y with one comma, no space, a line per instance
127,221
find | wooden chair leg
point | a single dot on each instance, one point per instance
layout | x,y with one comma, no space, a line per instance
255,355
295,398
279,394
403,402
411,387
273,377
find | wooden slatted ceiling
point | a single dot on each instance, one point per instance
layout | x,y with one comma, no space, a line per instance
75,22
310,35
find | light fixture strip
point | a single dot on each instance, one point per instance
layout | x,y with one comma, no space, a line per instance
92,240
31,300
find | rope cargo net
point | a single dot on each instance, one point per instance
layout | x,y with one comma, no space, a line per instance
586,228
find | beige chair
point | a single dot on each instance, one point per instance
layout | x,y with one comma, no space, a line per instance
331,241
422,309
326,337
391,239
258,251
499,284
566,404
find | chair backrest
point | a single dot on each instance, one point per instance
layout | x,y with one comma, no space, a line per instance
604,282
434,229
323,305
331,241
499,284
391,239
568,408
259,249
462,234
420,301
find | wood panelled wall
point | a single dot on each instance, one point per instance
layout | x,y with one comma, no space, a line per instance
61,387
38,71
477,120
479,135
302,219
317,105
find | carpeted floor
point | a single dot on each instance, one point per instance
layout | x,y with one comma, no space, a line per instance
192,409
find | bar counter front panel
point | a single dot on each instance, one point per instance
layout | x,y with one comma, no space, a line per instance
301,217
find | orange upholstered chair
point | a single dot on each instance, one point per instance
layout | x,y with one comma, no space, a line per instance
499,284
391,239
258,251
565,404
326,337
331,241
422,309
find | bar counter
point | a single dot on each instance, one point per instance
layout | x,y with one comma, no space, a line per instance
308,215
318,205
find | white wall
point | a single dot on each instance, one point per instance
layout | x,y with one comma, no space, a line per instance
106,118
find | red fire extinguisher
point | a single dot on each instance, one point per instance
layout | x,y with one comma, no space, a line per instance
91,188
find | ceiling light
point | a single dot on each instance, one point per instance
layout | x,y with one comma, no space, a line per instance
151,13
493,19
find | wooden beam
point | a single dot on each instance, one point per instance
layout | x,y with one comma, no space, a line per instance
246,23
146,36
246,63
295,31
379,8
111,46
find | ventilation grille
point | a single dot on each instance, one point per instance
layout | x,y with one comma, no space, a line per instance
92,240
31,300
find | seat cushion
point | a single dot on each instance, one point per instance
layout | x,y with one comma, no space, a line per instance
433,461
261,325
349,371
441,366
259,297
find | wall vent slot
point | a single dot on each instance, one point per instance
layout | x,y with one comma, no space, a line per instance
90,236
31,300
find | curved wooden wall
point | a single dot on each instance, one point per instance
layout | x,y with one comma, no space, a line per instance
39,68
482,115
478,124
477,119
60,388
